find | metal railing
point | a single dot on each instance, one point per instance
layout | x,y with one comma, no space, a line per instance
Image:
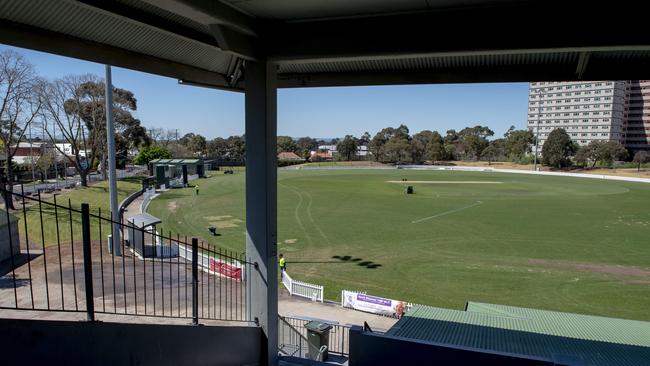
339,337
291,341
65,264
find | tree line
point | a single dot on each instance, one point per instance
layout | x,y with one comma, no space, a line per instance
559,151
68,110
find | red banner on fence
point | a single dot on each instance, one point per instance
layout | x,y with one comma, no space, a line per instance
225,269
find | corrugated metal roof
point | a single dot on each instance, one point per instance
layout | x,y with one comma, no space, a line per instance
144,219
539,333
430,62
175,161
166,14
76,20
590,327
310,9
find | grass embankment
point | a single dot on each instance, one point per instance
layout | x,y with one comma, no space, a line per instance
559,243
95,195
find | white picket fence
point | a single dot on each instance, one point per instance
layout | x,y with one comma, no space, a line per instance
302,289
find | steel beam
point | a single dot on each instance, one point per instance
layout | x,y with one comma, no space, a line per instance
209,12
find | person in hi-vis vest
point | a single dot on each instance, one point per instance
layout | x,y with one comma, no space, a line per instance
283,265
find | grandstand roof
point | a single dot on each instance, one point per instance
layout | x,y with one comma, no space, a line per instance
339,42
531,332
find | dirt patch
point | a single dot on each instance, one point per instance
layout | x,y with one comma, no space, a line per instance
595,268
290,241
217,218
225,224
172,206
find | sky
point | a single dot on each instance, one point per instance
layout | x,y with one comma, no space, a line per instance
314,112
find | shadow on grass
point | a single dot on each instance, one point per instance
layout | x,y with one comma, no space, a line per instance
344,259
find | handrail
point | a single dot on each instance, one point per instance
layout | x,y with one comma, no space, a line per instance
302,340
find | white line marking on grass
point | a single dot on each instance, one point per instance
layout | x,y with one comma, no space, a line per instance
297,208
442,182
447,212
311,200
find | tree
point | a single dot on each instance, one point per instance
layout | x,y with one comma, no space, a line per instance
426,145
517,143
77,106
583,155
600,152
286,143
347,147
641,157
379,140
364,140
197,144
435,149
45,161
162,136
149,153
236,148
608,152
419,143
20,104
306,145
558,149
451,136
61,103
217,148
399,148
490,153
186,138
178,150
475,139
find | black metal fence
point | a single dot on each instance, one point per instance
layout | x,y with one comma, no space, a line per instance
66,264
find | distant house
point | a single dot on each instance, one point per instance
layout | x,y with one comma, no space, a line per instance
67,149
329,148
324,156
26,150
289,156
362,150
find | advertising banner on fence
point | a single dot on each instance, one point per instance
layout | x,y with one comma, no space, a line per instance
225,269
372,304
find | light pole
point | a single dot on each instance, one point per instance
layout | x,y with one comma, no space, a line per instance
539,115
31,158
112,182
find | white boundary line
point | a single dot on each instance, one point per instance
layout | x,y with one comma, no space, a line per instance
477,203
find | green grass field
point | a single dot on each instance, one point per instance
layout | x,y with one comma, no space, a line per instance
569,244
95,195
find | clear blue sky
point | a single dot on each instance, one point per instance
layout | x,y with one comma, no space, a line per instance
315,112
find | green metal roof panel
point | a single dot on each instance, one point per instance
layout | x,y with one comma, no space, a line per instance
597,340
589,327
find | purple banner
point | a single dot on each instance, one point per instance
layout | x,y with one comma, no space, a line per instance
374,300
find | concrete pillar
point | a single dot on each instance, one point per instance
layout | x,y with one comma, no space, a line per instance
261,198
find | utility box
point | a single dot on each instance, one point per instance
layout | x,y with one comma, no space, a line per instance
318,335
409,189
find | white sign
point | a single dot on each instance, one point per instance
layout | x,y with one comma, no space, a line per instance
372,304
